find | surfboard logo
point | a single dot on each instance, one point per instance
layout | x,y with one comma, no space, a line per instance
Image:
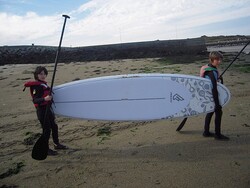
177,97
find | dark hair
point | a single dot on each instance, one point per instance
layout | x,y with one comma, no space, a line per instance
38,70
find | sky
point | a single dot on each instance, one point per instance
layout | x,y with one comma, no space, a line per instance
99,22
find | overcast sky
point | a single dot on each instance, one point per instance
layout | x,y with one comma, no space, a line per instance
97,22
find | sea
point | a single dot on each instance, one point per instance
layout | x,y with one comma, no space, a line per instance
229,48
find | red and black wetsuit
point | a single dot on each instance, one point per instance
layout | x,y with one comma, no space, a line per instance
39,90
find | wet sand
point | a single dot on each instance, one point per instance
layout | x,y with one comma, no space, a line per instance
134,154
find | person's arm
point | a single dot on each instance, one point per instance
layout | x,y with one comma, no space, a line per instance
215,93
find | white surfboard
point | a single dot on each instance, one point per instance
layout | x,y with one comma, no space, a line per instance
137,97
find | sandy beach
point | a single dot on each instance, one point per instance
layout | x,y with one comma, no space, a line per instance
134,154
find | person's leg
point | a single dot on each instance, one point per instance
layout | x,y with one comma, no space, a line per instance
54,129
208,118
217,122
44,123
46,126
218,135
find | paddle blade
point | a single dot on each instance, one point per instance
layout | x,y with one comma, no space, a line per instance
40,149
182,124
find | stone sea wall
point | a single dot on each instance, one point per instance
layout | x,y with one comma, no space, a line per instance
46,54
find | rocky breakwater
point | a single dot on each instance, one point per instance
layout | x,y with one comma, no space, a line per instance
46,54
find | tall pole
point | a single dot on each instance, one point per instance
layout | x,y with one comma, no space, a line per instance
58,52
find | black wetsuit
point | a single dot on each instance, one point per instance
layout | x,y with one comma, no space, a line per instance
213,76
48,123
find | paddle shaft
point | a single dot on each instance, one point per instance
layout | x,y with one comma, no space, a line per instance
58,52
56,61
40,149
234,59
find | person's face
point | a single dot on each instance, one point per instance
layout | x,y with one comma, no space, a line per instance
42,76
216,62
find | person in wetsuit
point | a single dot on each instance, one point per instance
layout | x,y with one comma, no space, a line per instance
41,97
210,72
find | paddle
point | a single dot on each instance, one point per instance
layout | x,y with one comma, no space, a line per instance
40,149
185,119
234,59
